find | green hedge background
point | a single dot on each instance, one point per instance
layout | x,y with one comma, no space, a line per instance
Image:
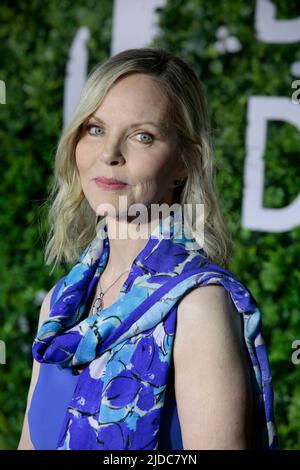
35,38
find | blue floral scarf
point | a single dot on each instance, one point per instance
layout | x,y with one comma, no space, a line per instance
119,397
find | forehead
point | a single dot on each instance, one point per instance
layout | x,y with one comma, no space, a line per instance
135,97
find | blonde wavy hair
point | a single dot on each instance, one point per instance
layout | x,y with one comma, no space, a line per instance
71,219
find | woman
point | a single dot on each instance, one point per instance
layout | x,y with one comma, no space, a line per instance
131,352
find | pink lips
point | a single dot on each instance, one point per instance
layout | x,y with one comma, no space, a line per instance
109,183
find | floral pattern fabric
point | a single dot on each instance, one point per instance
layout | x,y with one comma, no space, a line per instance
127,348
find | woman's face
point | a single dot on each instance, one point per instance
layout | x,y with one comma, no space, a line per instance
128,139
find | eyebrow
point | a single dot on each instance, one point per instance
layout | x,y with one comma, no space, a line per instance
163,128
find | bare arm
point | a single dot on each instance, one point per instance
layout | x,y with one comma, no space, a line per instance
25,440
212,377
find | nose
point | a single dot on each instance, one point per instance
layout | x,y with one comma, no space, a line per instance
111,152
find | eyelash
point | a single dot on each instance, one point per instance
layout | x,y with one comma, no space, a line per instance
88,127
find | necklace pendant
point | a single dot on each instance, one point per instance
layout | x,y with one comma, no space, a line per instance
98,304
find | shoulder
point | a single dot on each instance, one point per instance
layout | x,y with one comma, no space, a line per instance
25,442
212,382
48,299
205,305
46,305
209,327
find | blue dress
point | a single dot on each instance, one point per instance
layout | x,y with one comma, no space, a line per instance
124,398
53,393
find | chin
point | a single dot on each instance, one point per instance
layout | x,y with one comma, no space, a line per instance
110,210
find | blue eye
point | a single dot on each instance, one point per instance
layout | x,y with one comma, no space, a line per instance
148,136
89,126
146,139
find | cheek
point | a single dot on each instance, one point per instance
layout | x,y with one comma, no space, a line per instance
78,157
83,161
161,172
154,178
156,167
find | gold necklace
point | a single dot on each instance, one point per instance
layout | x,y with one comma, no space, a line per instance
98,303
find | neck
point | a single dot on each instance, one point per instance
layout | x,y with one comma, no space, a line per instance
126,240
